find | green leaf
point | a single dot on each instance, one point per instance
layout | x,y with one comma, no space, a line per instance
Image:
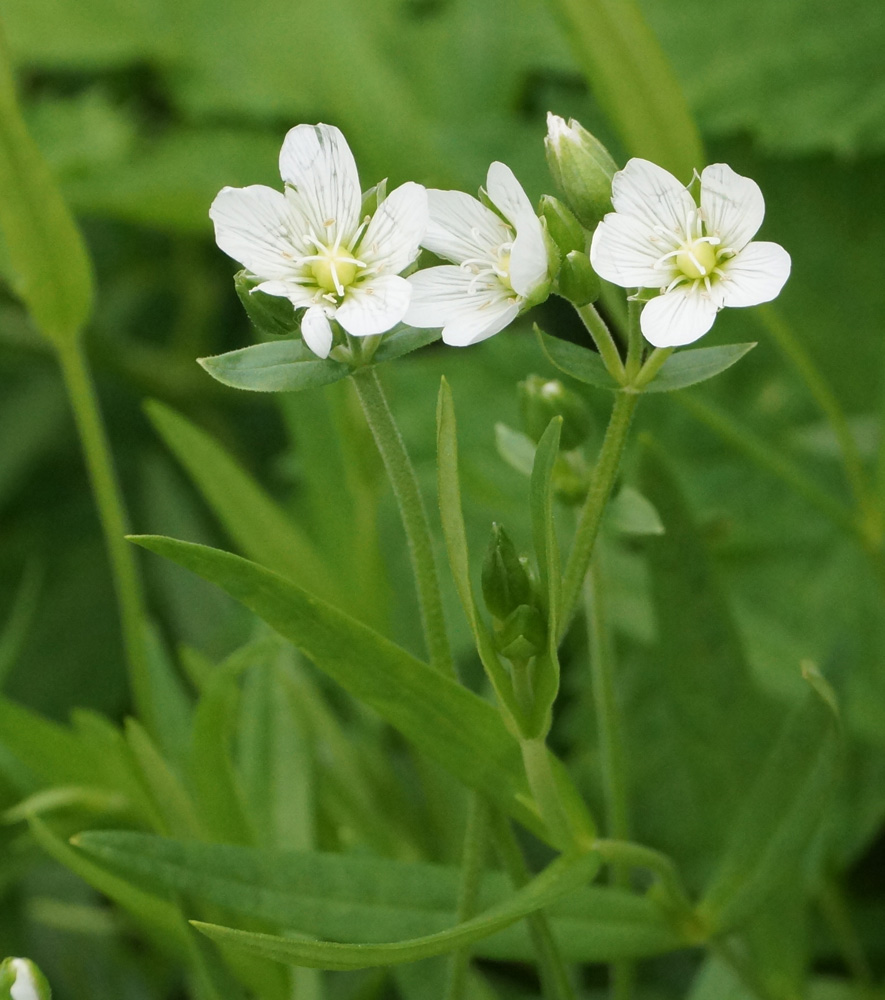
546,667
278,366
694,698
53,276
630,513
559,878
401,341
255,522
517,449
446,721
579,362
20,617
690,367
367,899
780,815
455,533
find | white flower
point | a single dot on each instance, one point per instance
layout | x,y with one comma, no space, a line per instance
28,983
498,266
699,256
310,245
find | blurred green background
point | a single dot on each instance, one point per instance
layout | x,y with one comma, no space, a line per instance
144,109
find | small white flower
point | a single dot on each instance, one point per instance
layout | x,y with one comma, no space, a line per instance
310,245
498,266
699,256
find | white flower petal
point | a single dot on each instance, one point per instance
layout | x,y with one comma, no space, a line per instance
374,306
256,226
678,317
732,205
24,987
316,330
624,250
653,195
394,235
471,325
318,163
528,258
756,274
461,228
298,295
436,294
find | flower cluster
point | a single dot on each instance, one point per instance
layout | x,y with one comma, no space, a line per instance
317,245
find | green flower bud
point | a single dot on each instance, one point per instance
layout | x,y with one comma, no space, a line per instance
577,281
563,227
542,399
271,315
373,198
523,634
20,979
505,582
582,169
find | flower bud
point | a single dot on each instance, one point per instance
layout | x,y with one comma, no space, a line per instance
582,169
577,281
563,227
373,198
20,979
271,315
542,399
505,582
523,634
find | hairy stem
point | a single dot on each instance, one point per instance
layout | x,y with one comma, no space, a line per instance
605,343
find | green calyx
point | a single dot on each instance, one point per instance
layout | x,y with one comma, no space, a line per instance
581,167
505,581
542,399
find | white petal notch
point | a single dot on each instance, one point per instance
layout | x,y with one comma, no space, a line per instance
500,265
697,254
310,244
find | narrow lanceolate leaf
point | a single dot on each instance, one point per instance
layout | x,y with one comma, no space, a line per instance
546,668
15,629
52,273
403,341
455,534
457,728
690,367
558,879
370,900
259,526
781,814
277,366
633,81
579,362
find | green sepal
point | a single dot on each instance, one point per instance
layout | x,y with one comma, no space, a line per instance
567,233
373,198
271,315
581,167
577,281
505,582
523,634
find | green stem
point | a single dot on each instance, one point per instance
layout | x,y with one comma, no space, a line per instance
536,760
555,981
635,342
591,514
652,366
112,513
605,343
472,863
414,516
611,748
795,351
630,855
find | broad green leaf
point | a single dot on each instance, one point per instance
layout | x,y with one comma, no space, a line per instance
579,362
452,725
455,533
632,79
697,365
560,877
361,898
255,522
693,698
403,341
546,667
277,366
780,815
53,275
630,513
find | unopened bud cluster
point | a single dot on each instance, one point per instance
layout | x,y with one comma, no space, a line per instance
509,593
582,169
542,399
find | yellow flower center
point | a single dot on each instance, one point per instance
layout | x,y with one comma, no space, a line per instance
696,259
334,270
